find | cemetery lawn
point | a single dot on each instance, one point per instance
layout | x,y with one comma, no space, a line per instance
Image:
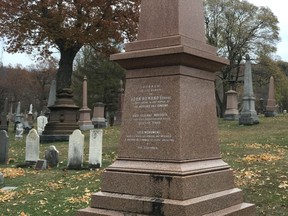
258,155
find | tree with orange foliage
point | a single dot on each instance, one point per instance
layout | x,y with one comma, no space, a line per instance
66,25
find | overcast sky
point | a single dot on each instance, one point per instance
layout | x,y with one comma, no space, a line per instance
276,6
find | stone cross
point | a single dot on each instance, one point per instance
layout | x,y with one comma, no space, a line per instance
32,146
271,102
4,147
248,115
95,148
75,150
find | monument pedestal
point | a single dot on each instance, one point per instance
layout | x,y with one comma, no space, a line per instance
169,159
62,120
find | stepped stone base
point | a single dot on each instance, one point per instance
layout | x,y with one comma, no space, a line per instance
199,188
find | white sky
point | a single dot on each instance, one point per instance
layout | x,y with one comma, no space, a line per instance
276,6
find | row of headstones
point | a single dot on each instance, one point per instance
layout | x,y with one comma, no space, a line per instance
75,149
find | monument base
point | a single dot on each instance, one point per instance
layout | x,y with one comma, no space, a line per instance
248,119
99,122
53,138
63,118
84,122
198,188
270,114
231,115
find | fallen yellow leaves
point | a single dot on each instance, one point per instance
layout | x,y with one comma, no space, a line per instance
261,157
23,214
283,185
6,196
12,172
81,199
245,177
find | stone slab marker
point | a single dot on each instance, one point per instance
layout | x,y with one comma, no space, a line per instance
32,146
95,148
169,160
75,150
271,102
4,147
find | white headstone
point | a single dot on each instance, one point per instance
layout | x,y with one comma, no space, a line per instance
30,109
95,148
76,150
32,146
41,123
19,131
4,146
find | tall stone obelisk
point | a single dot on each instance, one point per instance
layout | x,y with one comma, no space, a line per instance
271,102
169,160
85,122
248,114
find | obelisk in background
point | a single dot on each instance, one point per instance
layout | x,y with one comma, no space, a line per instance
248,114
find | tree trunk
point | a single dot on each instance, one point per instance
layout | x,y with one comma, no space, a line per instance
64,73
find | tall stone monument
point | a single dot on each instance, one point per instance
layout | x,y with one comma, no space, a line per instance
169,160
231,112
271,102
85,122
248,115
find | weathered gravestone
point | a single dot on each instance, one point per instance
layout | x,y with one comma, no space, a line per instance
98,119
231,112
95,148
4,147
41,165
32,147
41,123
52,156
169,161
248,115
75,150
271,102
18,115
85,122
19,131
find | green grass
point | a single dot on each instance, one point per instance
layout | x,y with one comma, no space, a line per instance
257,154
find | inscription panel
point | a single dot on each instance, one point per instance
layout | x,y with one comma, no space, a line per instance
150,122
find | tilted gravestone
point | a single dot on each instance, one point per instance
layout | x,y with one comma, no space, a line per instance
32,146
169,161
95,148
4,147
52,156
75,150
